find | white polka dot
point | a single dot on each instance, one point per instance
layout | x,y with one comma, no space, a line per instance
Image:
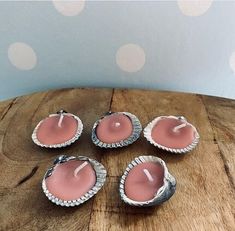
232,61
130,57
69,8
195,7
22,56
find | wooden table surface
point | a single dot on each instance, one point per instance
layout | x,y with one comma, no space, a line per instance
204,198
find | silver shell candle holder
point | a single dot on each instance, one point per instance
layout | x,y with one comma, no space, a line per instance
148,136
100,180
64,144
163,194
137,128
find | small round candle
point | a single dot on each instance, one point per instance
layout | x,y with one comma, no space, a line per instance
57,130
71,180
173,133
143,181
49,132
114,128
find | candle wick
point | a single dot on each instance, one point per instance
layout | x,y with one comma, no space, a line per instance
79,168
147,173
117,124
61,119
175,129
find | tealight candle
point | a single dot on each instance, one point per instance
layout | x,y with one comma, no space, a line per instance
172,133
58,130
146,182
73,180
116,130
143,181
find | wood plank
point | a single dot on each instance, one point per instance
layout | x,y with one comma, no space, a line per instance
23,164
203,201
4,107
25,208
221,113
227,151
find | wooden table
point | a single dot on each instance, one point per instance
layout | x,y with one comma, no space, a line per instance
204,198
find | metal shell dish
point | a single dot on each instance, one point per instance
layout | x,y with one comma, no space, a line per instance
137,128
100,180
60,145
148,136
163,193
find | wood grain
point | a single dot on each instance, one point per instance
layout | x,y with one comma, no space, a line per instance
204,199
23,164
221,115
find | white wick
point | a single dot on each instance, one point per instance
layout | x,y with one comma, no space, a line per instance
117,124
79,168
147,173
61,119
175,129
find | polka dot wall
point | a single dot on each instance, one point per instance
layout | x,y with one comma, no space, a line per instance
179,45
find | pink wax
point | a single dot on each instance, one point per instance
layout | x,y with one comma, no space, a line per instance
114,128
163,133
65,186
137,185
50,133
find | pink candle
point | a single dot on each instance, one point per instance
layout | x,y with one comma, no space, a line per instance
173,133
143,181
57,129
114,128
71,180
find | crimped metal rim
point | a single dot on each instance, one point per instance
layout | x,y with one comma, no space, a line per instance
137,128
100,180
148,136
161,195
67,143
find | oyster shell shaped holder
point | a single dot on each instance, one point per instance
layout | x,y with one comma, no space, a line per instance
163,194
100,180
61,145
137,128
148,130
